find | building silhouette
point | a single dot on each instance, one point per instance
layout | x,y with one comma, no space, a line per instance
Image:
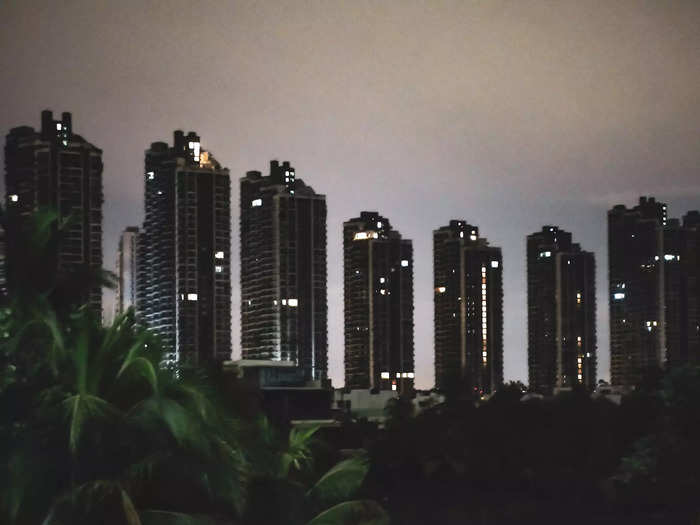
636,290
184,249
378,287
468,294
561,305
653,272
284,311
57,169
127,269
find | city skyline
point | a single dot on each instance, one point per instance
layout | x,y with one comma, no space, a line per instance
487,132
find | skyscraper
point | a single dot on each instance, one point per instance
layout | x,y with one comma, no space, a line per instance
378,285
284,311
636,290
561,312
654,290
468,282
184,251
127,269
58,169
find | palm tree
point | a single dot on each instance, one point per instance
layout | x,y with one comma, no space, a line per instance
115,436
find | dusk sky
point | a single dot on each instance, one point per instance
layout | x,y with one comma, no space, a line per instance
508,114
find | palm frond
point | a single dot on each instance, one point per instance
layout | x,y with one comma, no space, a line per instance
340,483
82,408
358,512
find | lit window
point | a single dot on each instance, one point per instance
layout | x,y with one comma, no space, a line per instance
404,263
291,191
191,296
398,374
382,291
385,375
494,264
14,197
219,255
160,192
379,224
284,302
151,175
393,387
441,289
274,302
218,269
360,236
618,296
472,237
461,235
256,202
293,302
382,280
58,126
411,375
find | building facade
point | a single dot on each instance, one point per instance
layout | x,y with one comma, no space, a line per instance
184,251
284,310
127,269
57,169
468,295
654,293
378,295
561,313
636,290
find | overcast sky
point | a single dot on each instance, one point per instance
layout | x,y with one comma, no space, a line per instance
508,114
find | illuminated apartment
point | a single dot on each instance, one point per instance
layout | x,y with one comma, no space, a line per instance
378,288
561,304
283,271
58,169
468,296
184,251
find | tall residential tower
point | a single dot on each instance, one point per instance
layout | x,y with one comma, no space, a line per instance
636,290
468,283
127,269
561,312
378,285
184,270
284,311
654,290
58,169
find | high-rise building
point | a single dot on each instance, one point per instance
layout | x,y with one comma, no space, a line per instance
636,290
127,269
561,310
378,266
58,169
184,251
688,291
654,290
284,311
468,283
3,262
